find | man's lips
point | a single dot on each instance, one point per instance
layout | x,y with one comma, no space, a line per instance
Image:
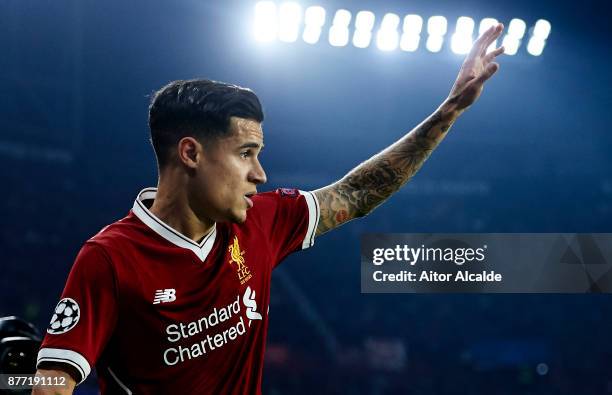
247,198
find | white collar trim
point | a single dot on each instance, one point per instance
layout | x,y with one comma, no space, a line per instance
201,249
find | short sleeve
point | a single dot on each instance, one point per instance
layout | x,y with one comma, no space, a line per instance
85,316
289,217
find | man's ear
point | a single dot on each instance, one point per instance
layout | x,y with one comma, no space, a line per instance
189,152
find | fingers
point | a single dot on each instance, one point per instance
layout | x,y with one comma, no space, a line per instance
479,43
488,72
488,37
493,54
483,42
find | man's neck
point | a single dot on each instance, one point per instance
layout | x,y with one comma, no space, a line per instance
172,207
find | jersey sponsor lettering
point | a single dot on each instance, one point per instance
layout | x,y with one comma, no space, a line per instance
204,328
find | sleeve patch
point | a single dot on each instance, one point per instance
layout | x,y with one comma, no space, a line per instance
289,192
65,317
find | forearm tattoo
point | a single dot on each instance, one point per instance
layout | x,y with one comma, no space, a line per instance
372,182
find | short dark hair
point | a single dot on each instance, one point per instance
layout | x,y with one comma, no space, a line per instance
199,108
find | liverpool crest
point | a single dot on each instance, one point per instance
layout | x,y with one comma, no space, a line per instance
237,257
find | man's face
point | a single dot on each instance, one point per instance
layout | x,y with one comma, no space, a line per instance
229,173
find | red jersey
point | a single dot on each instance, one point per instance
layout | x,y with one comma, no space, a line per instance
156,312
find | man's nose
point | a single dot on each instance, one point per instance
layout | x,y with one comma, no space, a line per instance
257,174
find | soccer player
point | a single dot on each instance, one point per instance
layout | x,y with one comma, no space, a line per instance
174,297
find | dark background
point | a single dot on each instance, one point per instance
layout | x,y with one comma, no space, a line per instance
533,155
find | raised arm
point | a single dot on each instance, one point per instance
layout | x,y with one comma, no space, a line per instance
372,182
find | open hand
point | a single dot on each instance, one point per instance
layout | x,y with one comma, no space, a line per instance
477,67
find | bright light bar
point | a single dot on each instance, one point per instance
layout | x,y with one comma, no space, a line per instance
266,22
290,16
541,29
485,24
390,22
342,18
461,41
314,19
410,42
434,43
338,36
413,24
362,38
437,26
535,46
364,20
461,44
512,40
387,40
339,32
517,28
387,37
311,34
465,26
315,15
511,45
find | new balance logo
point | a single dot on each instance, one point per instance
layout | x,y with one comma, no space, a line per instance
164,296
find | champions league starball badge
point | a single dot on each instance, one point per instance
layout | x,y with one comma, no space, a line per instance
65,317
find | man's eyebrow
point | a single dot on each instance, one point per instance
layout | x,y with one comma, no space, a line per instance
251,145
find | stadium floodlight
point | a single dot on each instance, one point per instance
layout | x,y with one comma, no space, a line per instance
342,18
464,26
290,16
314,19
541,29
485,24
362,39
512,40
409,42
266,21
535,46
387,37
461,44
436,26
339,32
517,28
413,24
364,22
338,36
511,45
390,21
540,33
461,40
282,20
434,43
315,15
